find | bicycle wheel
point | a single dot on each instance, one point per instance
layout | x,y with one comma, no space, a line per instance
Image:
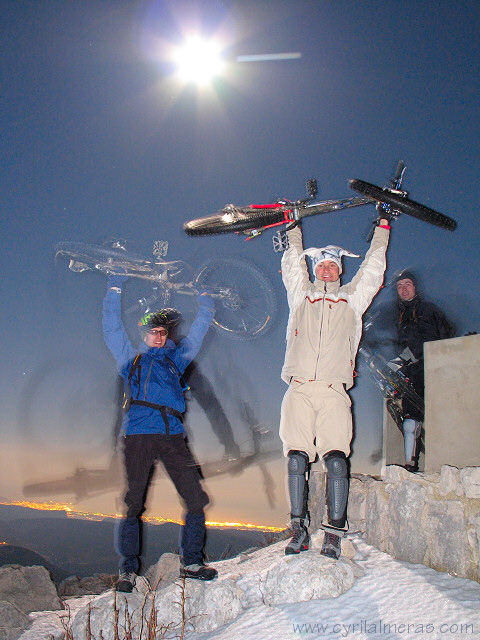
84,256
250,308
404,205
232,218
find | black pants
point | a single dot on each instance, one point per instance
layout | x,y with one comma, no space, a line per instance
142,452
415,374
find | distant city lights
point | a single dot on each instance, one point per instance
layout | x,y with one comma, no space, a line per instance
88,515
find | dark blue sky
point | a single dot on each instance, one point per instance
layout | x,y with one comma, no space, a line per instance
98,140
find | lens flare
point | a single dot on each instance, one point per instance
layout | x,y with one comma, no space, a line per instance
198,61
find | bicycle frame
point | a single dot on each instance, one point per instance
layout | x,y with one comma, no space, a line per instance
161,278
298,209
167,289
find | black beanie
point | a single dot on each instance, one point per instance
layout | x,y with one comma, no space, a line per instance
407,275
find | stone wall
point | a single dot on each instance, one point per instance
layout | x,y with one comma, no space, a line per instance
452,403
431,519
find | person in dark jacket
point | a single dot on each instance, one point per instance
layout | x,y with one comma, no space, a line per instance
154,430
418,321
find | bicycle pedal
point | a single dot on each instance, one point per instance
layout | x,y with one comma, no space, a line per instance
160,248
280,241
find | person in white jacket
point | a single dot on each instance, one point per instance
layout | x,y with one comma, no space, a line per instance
323,333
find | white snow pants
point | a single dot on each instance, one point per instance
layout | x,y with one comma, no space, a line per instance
316,417
411,432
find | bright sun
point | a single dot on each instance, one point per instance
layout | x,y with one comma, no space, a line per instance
198,61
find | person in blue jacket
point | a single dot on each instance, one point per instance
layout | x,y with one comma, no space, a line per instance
154,430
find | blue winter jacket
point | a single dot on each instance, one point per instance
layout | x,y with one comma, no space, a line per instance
156,379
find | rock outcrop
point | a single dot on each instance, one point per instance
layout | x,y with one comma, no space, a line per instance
28,588
91,585
23,590
13,622
263,577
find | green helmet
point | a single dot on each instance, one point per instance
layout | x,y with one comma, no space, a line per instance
167,318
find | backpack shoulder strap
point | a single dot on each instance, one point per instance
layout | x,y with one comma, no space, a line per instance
126,392
134,367
183,382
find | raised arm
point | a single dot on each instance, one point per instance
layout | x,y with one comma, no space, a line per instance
294,271
369,278
114,333
188,347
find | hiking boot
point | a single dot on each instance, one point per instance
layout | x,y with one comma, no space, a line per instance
198,572
331,547
300,540
125,582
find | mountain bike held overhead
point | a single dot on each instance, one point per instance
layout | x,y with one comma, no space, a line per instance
244,297
253,219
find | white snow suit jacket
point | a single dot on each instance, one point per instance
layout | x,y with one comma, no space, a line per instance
325,320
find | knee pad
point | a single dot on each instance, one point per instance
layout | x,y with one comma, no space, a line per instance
297,483
411,432
412,426
297,462
337,487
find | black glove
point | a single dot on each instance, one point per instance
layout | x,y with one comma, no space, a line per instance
384,213
293,224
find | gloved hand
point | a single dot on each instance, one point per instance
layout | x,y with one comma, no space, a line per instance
116,280
293,224
205,300
384,214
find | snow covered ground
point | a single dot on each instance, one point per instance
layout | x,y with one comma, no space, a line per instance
393,600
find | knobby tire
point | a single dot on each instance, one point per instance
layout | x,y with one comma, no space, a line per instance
237,219
404,205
